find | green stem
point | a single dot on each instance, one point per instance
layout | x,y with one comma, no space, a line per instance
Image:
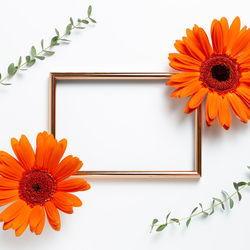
208,209
42,51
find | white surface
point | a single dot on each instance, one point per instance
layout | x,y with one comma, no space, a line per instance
132,35
124,125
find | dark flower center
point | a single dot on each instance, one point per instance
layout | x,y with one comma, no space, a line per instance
220,73
36,187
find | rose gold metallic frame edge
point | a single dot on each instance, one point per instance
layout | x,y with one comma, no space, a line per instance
54,76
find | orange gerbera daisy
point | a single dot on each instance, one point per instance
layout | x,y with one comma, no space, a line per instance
220,72
36,184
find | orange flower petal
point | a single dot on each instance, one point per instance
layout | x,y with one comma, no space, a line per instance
238,107
204,41
67,167
197,98
5,194
217,37
40,225
8,184
53,215
193,49
241,43
185,76
67,199
187,60
10,173
233,33
209,121
190,89
24,152
12,211
225,32
181,47
45,145
9,161
244,92
73,185
24,222
224,115
57,154
35,217
212,99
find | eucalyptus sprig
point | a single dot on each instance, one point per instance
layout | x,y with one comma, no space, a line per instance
200,211
45,51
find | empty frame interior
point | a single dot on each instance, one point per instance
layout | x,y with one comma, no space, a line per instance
124,124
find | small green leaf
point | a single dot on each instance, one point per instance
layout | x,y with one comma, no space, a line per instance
242,183
194,210
11,69
236,186
161,227
85,21
188,222
175,220
80,28
205,213
5,83
57,32
33,51
231,203
19,61
92,20
68,29
248,183
154,221
23,69
89,10
54,40
40,57
65,40
49,53
27,59
31,62
42,44
239,196
212,208
220,201
167,217
248,167
0,76
71,21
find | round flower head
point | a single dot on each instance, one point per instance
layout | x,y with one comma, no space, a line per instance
36,184
220,72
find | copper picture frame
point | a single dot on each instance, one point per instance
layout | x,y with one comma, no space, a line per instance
55,76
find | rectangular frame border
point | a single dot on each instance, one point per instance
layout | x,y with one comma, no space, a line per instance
54,76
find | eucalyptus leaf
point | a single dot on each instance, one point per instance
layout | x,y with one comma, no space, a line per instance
231,203
54,40
27,59
80,28
65,40
49,52
239,196
161,227
220,201
40,57
31,62
85,21
11,69
188,222
19,61
33,51
175,220
68,29
42,44
92,20
57,32
89,10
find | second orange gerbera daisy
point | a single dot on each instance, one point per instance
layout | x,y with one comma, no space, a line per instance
220,72
36,184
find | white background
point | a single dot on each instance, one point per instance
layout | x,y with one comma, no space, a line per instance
131,35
